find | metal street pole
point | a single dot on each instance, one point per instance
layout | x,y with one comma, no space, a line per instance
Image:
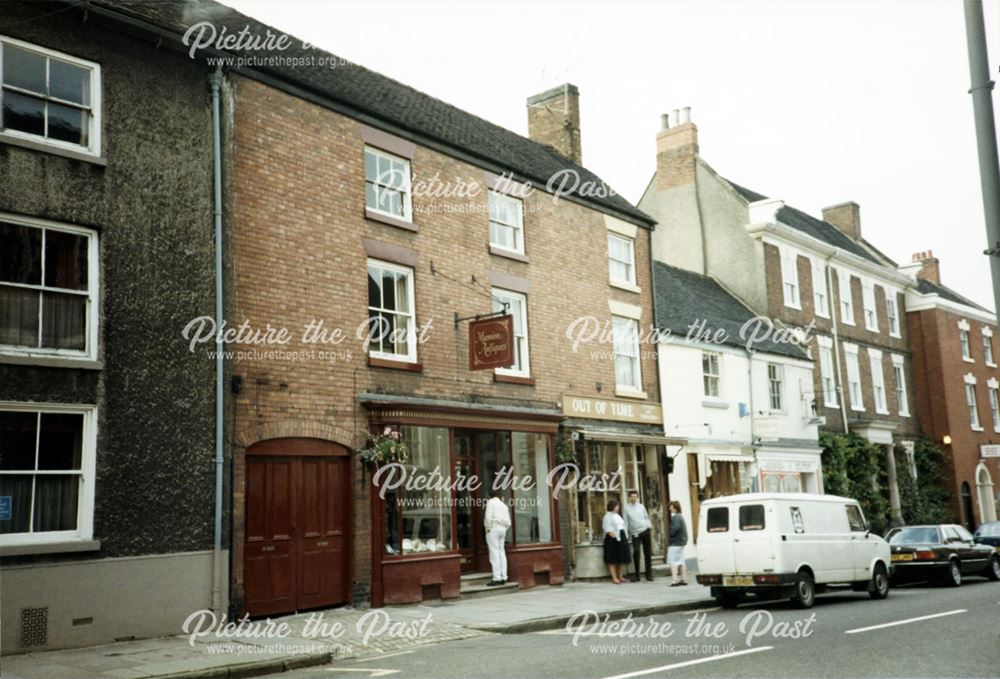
986,136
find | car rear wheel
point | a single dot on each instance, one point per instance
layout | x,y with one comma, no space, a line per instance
805,590
953,576
728,599
994,571
880,583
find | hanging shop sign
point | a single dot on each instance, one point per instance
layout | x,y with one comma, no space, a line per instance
491,343
611,409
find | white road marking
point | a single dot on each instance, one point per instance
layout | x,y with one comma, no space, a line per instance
907,621
371,672
384,655
688,663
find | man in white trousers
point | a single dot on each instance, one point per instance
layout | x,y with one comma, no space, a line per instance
497,522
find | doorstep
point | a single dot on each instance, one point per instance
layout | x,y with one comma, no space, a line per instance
474,586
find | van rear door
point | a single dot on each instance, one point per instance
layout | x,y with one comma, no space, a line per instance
715,541
754,538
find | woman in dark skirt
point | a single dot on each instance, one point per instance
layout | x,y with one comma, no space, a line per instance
616,550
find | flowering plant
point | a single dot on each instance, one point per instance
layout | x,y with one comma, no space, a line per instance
386,447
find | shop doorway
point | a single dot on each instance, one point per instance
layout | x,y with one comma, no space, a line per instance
483,454
297,548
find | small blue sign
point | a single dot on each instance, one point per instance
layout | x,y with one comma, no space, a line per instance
5,507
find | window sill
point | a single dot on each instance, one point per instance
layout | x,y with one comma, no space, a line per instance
906,414
64,546
514,379
710,403
797,307
51,149
975,428
624,285
51,361
376,216
630,393
858,409
407,366
509,254
895,335
881,412
830,405
968,360
991,365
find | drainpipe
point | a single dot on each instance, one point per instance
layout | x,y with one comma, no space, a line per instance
753,439
834,312
215,82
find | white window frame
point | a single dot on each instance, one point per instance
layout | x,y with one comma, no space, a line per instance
868,305
407,191
499,297
411,338
706,376
854,376
972,402
85,500
988,356
845,297
790,289
93,147
821,295
828,381
965,340
89,352
892,312
993,387
630,264
776,387
517,226
899,376
879,395
616,323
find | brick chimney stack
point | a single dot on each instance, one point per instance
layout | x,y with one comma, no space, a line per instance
554,120
676,149
846,217
930,266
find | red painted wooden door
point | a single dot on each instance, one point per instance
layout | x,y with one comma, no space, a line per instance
296,551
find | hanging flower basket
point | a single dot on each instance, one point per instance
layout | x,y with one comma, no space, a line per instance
565,450
385,448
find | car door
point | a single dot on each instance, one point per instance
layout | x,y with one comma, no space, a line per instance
716,547
974,558
754,541
863,546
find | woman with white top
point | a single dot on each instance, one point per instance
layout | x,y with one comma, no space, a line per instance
615,543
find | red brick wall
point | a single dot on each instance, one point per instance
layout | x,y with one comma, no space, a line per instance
298,221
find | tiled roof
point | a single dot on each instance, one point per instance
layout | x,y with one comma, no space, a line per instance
684,297
926,287
364,91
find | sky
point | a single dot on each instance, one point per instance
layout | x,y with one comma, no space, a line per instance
815,102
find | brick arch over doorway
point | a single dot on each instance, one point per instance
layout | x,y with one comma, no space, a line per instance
309,429
292,516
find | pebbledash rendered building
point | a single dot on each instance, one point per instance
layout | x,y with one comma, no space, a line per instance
149,194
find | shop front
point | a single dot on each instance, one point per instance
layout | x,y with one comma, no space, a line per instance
427,514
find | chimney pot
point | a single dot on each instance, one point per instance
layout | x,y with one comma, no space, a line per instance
665,121
686,115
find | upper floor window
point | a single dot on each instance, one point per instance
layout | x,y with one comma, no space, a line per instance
621,259
892,313
711,373
48,288
47,470
790,277
391,323
821,297
387,184
506,222
899,377
517,306
49,97
775,380
625,333
963,339
853,376
846,297
878,381
970,400
826,371
993,386
988,347
868,301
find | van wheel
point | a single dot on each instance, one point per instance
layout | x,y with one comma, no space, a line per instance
994,571
953,576
805,590
880,583
728,600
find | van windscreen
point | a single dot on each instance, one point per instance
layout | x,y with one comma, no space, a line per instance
718,519
752,517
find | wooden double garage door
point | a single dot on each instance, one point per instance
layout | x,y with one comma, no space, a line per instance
297,545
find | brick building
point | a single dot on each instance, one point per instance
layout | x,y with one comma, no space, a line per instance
106,250
957,381
818,275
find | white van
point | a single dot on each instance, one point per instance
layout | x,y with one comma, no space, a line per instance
788,544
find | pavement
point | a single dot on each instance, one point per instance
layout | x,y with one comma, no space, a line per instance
310,639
